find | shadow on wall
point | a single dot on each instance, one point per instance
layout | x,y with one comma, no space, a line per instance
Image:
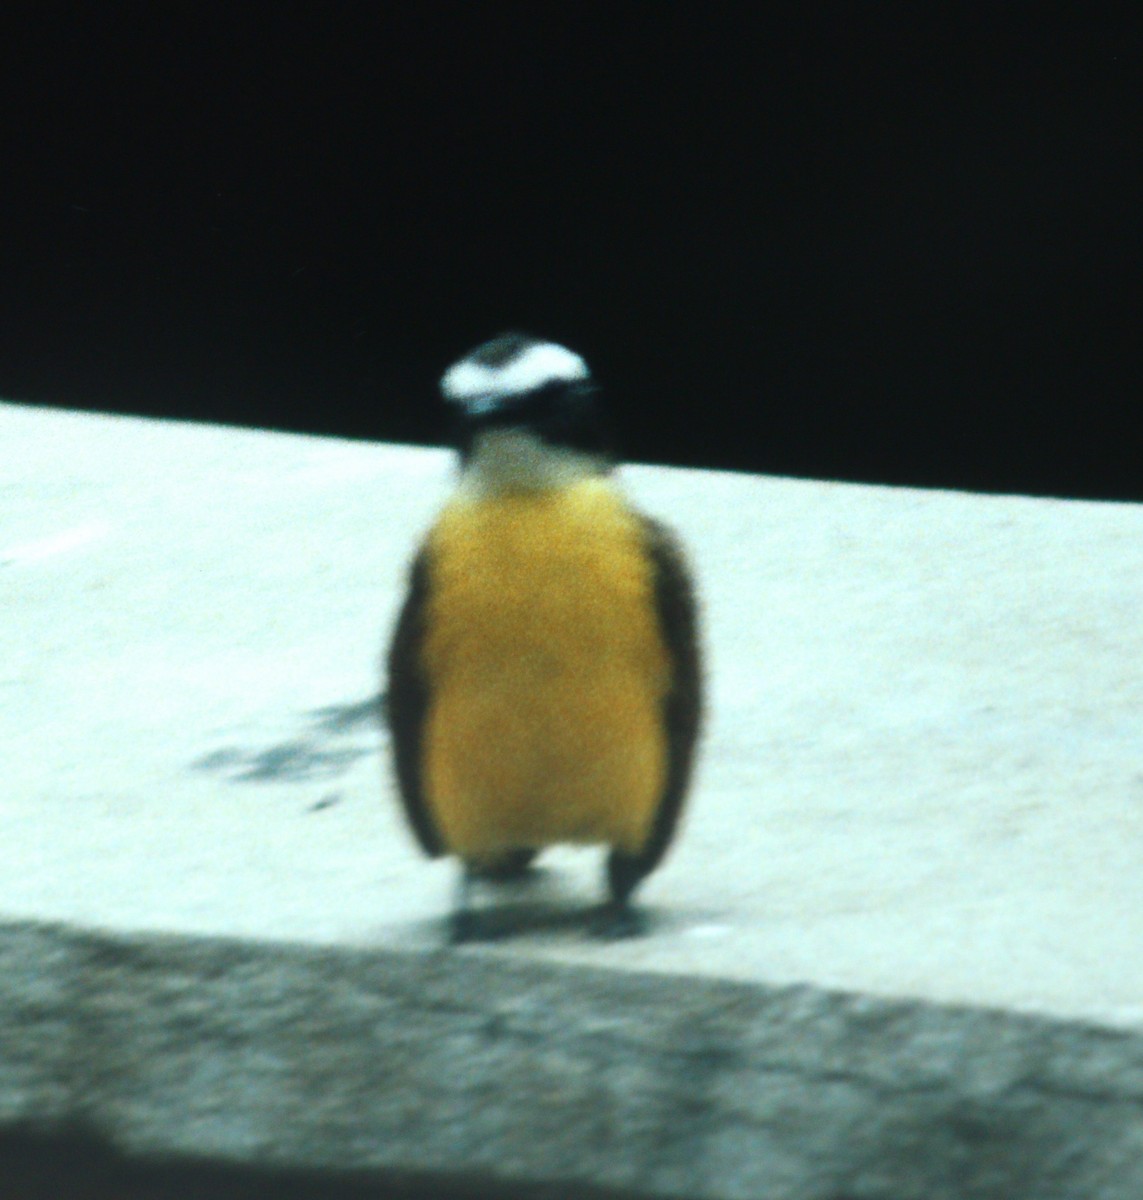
79,1166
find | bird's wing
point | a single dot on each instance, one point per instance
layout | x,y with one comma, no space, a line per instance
678,622
407,702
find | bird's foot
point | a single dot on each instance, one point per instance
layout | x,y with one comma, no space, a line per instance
463,928
469,923
614,922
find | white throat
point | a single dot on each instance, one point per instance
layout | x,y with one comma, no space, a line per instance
517,460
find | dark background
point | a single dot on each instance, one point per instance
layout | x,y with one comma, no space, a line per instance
884,242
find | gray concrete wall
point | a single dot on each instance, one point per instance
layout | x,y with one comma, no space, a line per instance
461,1064
895,953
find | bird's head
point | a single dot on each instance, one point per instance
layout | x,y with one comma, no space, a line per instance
528,414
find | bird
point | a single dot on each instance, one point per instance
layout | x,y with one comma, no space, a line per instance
544,675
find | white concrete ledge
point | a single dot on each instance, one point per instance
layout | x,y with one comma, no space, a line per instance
896,952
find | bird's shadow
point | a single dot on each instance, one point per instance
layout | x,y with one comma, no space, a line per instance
539,903
320,751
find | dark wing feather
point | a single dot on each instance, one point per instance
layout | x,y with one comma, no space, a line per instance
678,620
407,702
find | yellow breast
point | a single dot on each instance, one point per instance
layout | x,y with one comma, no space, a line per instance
547,672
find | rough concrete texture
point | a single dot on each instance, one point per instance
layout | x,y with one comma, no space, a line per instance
895,953
479,1067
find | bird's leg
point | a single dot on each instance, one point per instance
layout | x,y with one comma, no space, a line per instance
508,867
469,924
617,918
462,922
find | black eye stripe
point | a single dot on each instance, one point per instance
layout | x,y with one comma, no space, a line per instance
562,413
560,397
